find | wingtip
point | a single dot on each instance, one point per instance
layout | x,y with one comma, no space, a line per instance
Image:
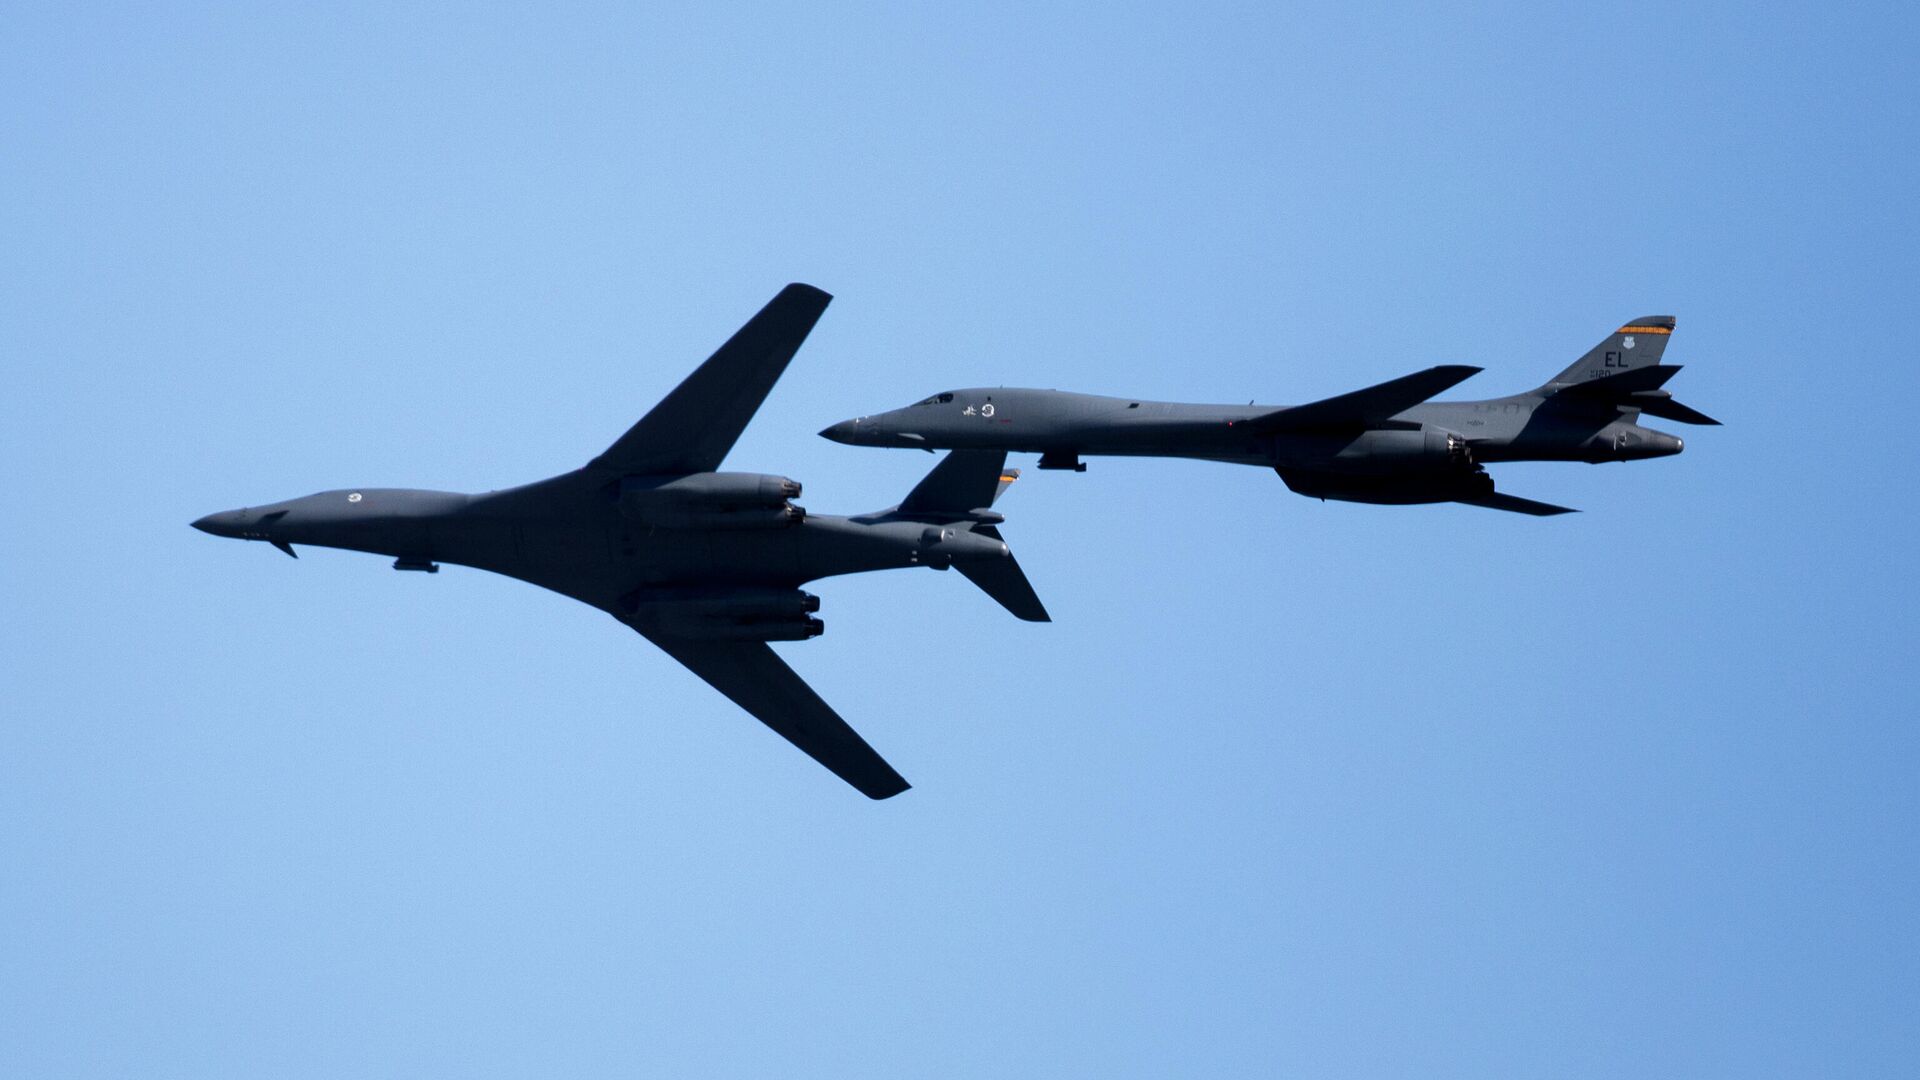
1500,500
801,288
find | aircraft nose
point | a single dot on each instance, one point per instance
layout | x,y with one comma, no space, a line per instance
842,432
225,523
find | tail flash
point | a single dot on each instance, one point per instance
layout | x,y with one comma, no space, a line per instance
1007,477
1636,345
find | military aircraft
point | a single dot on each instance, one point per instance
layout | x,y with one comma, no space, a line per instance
1384,444
705,564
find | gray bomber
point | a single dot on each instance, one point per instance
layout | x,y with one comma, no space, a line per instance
1383,444
707,565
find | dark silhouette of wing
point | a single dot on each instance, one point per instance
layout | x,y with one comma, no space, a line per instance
760,682
1500,500
693,427
1363,408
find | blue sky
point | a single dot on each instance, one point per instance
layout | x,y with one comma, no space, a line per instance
1288,788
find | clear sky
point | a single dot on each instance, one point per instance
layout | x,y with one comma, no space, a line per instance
1288,788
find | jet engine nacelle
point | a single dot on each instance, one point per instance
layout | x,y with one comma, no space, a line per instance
711,501
1428,450
1402,490
794,629
729,615
784,630
943,545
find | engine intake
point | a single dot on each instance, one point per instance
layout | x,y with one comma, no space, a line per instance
711,501
1428,450
1388,490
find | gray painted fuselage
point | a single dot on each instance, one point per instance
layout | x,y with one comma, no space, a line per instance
1386,443
1524,427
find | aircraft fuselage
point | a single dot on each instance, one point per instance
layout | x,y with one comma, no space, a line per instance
571,534
1519,428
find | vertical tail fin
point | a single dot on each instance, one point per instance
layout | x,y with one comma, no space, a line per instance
1638,344
964,480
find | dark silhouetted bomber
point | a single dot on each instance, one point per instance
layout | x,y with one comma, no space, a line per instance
707,565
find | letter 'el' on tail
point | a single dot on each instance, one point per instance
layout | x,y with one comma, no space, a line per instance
1638,344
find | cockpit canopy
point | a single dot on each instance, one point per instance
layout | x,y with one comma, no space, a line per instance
937,399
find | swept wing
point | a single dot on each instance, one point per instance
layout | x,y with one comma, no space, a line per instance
1368,407
760,682
693,427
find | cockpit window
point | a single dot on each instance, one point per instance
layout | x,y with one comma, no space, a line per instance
937,399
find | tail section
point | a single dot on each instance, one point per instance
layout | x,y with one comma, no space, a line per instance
1636,345
1625,372
961,491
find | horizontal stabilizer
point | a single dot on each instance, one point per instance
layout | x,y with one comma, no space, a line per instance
1363,408
1003,580
1636,388
1494,500
1669,409
1631,381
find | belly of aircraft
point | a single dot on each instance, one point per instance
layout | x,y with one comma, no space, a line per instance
599,566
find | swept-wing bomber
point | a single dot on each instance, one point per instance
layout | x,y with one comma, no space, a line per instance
707,565
1384,444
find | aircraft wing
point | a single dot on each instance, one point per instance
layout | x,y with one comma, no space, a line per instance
760,682
1362,408
693,427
